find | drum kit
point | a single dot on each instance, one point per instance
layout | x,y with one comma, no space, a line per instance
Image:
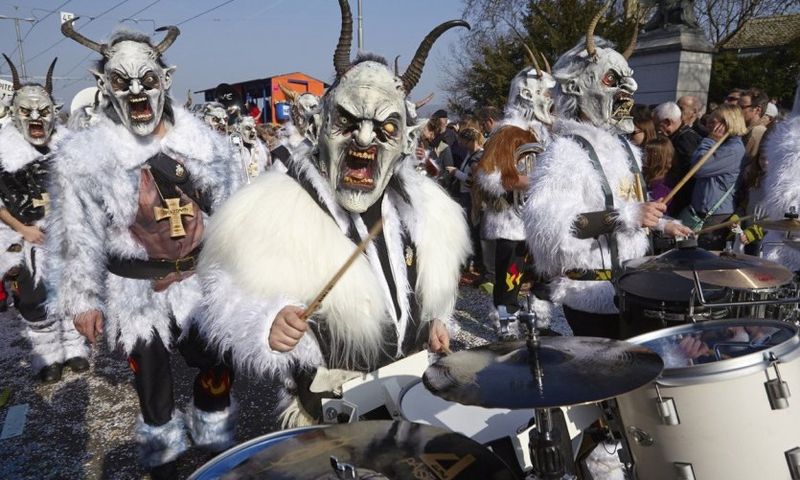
700,390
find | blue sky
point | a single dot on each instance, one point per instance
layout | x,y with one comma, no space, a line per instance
241,40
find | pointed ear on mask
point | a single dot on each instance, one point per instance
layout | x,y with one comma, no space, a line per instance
571,87
412,136
100,79
57,108
168,77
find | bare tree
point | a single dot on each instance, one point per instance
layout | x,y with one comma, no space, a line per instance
721,19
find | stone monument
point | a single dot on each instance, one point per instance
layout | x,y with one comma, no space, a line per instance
673,57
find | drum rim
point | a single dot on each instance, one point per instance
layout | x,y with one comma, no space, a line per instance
289,432
727,369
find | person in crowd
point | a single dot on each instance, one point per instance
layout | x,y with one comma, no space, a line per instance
691,112
770,114
442,134
749,196
644,128
488,118
733,96
753,103
471,140
658,157
712,195
434,157
685,141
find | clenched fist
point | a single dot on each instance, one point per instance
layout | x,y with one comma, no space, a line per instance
287,329
651,213
89,324
438,337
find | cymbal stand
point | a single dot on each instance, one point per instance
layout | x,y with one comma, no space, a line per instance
547,448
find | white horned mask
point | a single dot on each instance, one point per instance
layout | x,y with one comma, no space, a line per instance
529,94
596,83
33,110
132,75
215,116
365,127
245,127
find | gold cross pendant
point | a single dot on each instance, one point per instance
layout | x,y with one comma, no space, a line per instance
42,202
174,212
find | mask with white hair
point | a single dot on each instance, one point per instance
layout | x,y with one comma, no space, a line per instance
132,75
596,83
215,116
33,110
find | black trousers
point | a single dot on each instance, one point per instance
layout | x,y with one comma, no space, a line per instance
150,362
30,298
585,324
509,263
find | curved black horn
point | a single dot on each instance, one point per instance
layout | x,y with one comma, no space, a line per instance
169,39
414,70
14,74
341,58
69,32
48,83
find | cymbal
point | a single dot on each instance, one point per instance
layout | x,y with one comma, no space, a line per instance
753,273
379,449
685,257
571,371
782,225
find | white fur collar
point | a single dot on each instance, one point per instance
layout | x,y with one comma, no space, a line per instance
16,152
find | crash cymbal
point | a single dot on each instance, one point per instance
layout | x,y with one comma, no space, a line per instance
571,370
782,225
687,256
752,273
377,450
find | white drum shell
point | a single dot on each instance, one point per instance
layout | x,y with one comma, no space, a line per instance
727,428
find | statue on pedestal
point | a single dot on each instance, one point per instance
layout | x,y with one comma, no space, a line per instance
671,14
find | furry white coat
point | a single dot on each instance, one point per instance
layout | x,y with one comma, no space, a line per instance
95,201
272,245
564,185
782,186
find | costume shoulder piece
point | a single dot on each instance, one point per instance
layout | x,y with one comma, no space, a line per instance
15,151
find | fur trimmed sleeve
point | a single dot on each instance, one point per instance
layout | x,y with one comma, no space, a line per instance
233,321
76,239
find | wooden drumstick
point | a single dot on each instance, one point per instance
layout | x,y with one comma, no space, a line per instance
695,168
723,225
315,304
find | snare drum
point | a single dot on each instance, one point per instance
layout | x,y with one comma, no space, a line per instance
721,408
654,300
486,425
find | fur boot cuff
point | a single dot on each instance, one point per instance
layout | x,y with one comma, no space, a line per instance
161,444
213,431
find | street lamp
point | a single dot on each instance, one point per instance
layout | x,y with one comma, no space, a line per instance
19,41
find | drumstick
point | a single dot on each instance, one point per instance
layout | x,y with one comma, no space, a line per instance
315,304
695,168
723,225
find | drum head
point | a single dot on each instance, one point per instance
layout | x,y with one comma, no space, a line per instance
721,349
379,449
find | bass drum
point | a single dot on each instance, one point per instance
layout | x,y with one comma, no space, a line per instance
654,300
721,407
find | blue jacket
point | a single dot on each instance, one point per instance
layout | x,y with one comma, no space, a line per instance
717,175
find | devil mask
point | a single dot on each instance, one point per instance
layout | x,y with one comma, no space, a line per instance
132,75
366,129
33,111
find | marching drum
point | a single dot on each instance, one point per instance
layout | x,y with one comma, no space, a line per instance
378,450
721,408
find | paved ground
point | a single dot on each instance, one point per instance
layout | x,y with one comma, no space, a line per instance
82,426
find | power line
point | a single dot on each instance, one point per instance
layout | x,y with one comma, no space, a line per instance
87,23
142,10
207,11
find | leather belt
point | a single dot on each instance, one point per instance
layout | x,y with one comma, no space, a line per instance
589,275
152,269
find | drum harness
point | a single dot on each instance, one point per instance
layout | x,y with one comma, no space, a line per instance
605,274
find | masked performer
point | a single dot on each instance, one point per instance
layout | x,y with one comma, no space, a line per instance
133,197
781,184
586,211
502,177
215,116
394,299
253,155
25,164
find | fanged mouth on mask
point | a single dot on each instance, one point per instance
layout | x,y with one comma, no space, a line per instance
623,103
140,108
359,168
36,129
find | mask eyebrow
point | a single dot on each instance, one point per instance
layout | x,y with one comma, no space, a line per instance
391,116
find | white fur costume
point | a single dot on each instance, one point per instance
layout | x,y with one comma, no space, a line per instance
58,340
782,186
272,245
252,161
565,184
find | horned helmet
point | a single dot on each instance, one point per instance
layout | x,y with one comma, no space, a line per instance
132,75
595,82
33,110
529,94
366,128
